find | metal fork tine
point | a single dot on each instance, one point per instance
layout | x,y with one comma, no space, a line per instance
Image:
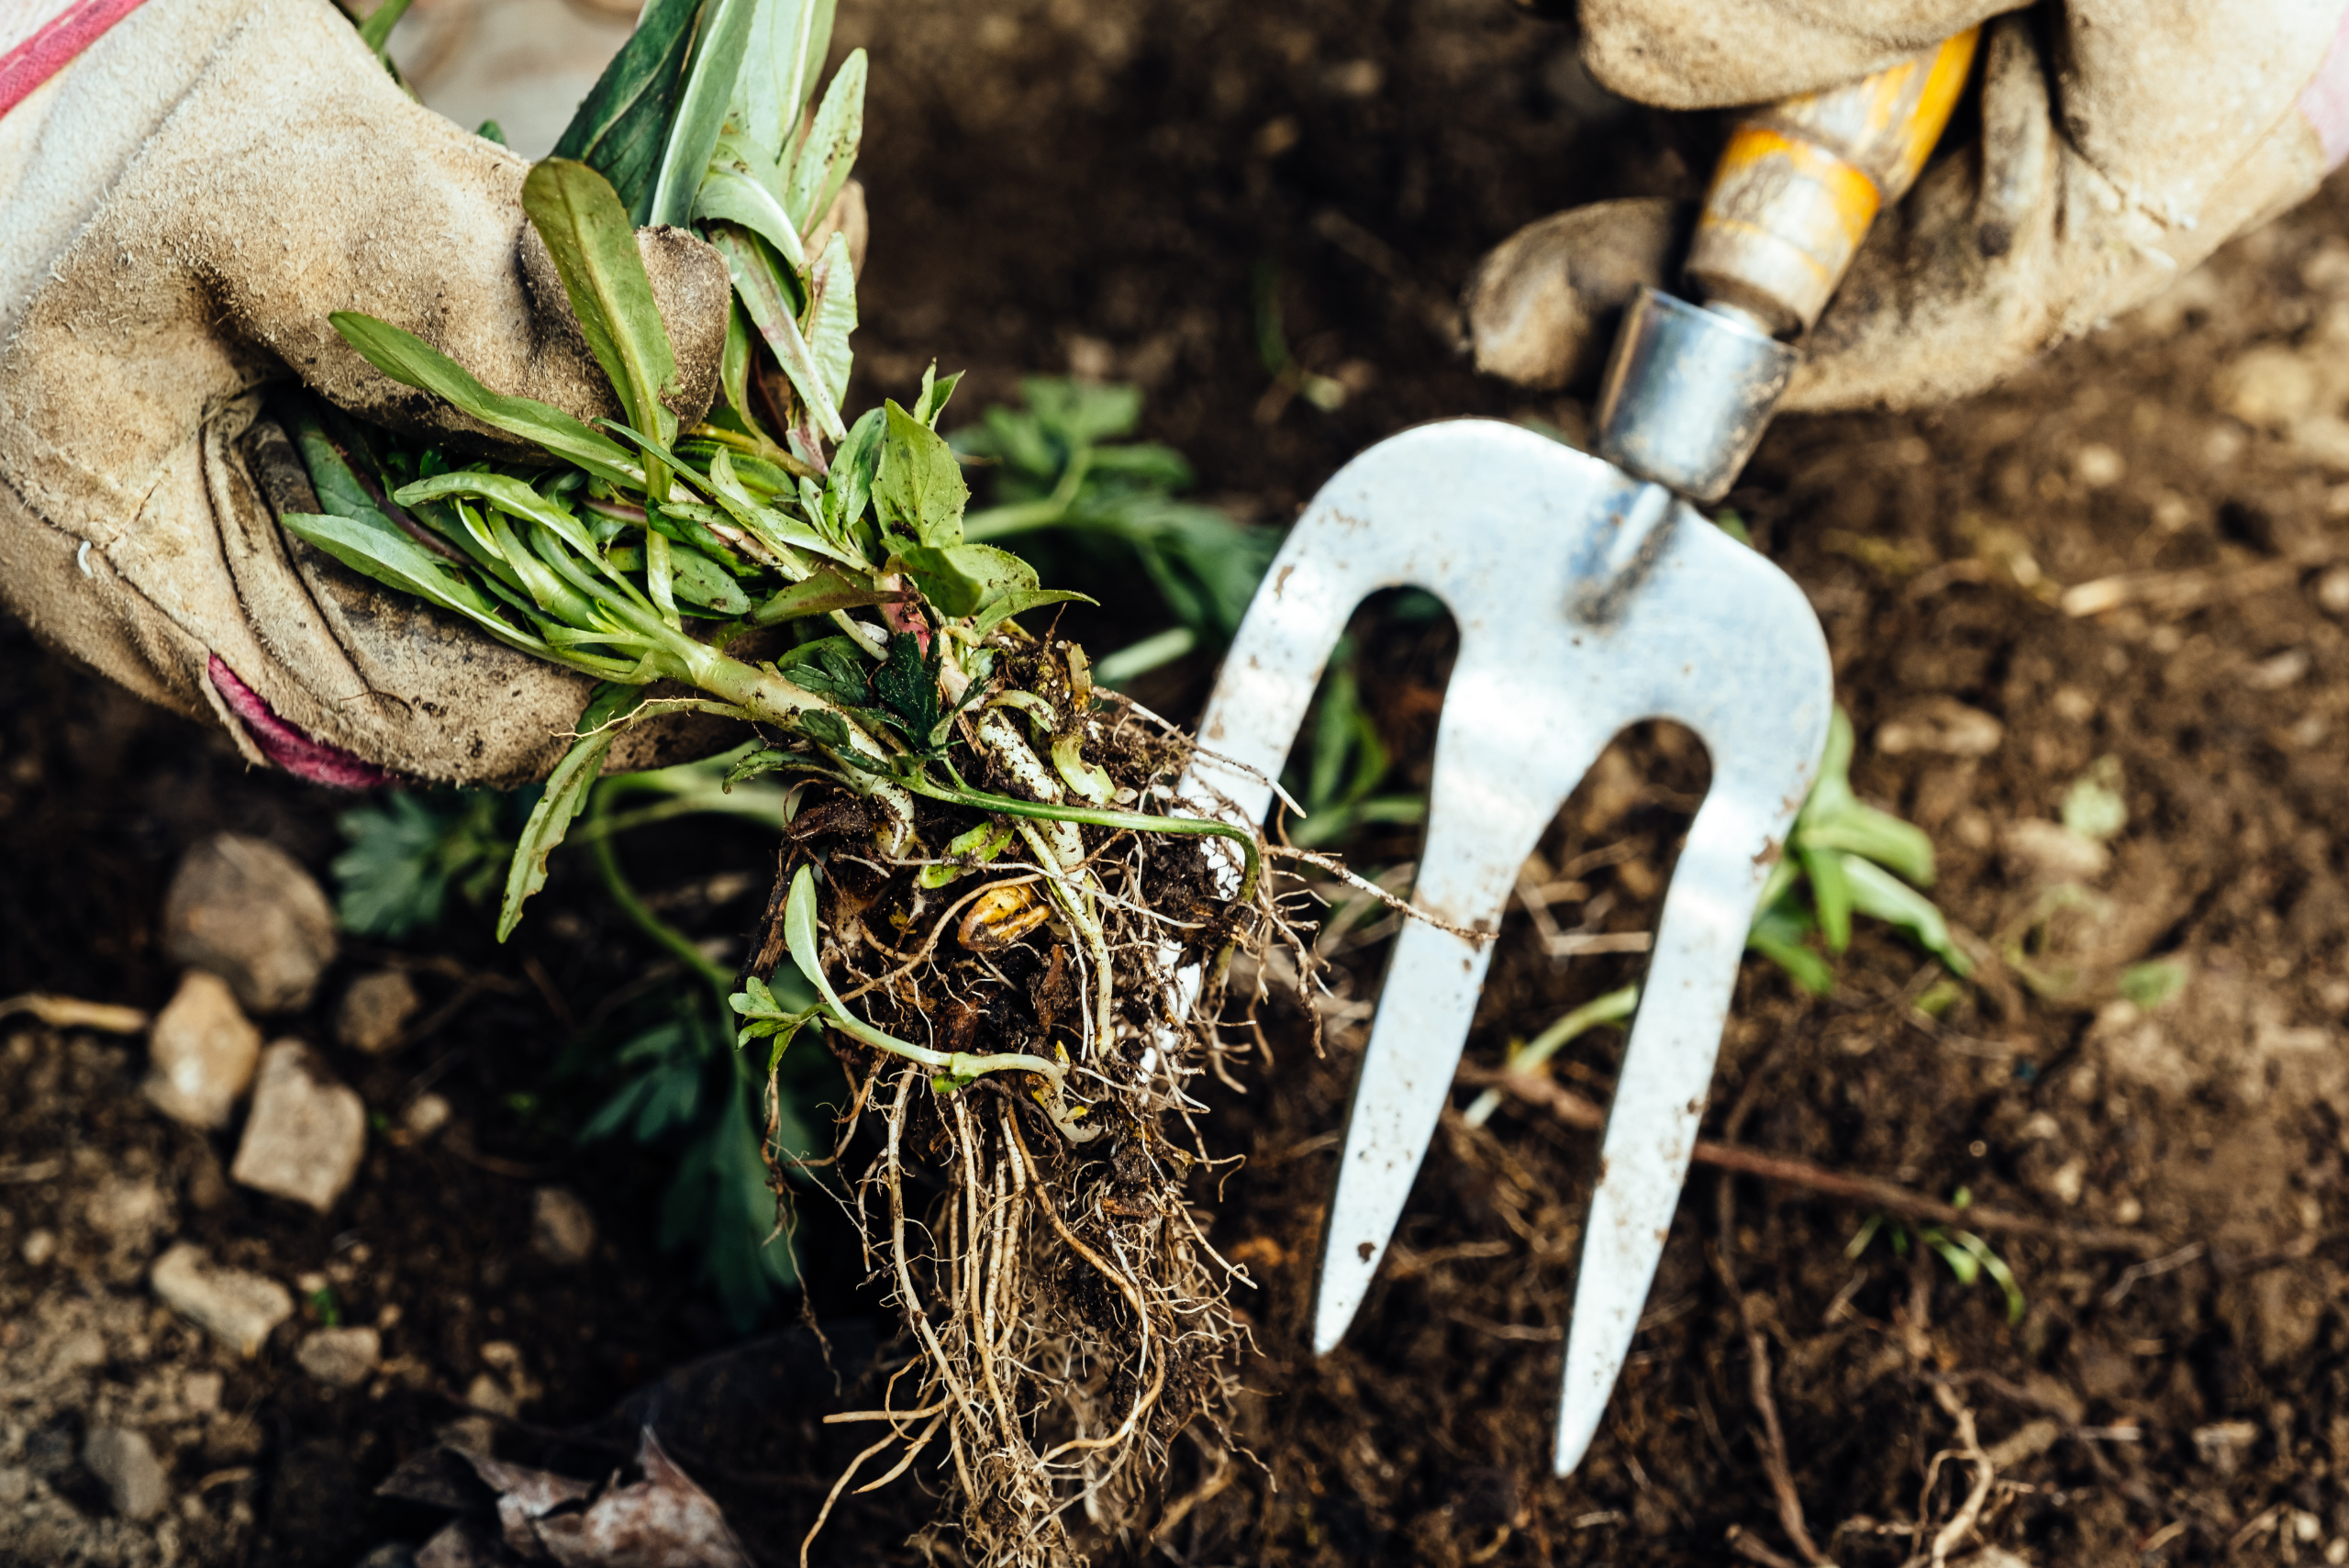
1659,1099
1506,756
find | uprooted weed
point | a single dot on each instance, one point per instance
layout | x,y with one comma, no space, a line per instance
1069,1317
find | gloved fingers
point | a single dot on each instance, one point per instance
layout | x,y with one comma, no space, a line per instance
1542,308
2009,249
1712,54
378,205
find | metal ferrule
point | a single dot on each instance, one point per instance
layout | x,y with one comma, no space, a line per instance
1687,393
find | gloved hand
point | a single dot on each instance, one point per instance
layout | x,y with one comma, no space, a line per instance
2121,141
181,209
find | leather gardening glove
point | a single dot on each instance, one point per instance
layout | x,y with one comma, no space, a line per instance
2121,142
181,209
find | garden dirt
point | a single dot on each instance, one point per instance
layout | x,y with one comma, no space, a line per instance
1119,191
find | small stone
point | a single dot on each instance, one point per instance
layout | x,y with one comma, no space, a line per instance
16,1485
38,1246
306,1131
2097,466
80,1351
201,1392
1942,726
485,1393
127,1211
2053,852
427,1115
562,1231
2270,386
342,1357
246,910
238,1308
203,1049
125,1462
375,1011
2333,591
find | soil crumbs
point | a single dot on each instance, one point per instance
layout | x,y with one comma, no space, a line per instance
1112,189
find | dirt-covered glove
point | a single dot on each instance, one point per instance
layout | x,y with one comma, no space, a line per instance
181,209
2121,142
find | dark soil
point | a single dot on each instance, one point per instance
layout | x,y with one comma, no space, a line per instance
1069,185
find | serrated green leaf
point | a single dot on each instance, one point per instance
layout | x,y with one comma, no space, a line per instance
828,154
588,234
720,45
832,669
565,797
412,362
918,486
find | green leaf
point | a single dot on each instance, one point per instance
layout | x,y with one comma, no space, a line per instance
734,368
594,246
732,196
919,488
386,554
704,584
720,44
830,152
819,595
565,797
404,854
412,362
2094,807
1019,601
2149,985
832,669
906,685
848,488
1877,892
1831,894
762,293
622,126
832,318
965,578
931,400
507,494
774,83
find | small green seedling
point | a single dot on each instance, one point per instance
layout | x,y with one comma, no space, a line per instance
1967,1256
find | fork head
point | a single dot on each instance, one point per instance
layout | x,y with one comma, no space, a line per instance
1586,601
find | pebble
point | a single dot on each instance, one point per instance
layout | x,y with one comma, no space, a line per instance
128,1210
2053,851
1941,726
16,1485
375,1011
237,1307
202,1390
428,1114
246,910
343,1357
306,1131
38,1246
204,1048
562,1231
125,1462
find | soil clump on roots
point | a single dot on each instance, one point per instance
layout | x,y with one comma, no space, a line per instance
1067,1314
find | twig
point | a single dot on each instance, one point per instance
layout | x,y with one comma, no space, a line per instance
1970,1448
2153,1270
1573,1110
72,1013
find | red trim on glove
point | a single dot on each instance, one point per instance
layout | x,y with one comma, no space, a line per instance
50,50
290,747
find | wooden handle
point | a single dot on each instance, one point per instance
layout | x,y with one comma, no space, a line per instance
1802,180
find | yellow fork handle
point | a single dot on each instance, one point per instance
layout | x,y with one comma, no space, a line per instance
1802,180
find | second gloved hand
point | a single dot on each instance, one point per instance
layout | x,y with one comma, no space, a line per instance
2121,142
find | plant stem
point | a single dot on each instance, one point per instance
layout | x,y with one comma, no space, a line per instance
607,862
1026,517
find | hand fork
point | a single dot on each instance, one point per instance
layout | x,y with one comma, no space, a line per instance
1588,597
